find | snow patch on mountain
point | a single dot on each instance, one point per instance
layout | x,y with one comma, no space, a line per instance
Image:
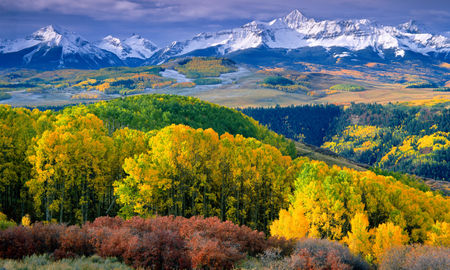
132,47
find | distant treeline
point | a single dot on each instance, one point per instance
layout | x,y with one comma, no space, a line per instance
309,123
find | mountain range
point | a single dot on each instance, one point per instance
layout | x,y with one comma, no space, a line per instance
293,37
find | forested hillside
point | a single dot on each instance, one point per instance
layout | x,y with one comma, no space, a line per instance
408,139
151,112
90,144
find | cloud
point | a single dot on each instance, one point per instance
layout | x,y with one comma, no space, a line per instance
166,10
98,9
169,20
183,10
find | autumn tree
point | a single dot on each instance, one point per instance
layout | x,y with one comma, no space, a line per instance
18,126
71,166
388,235
291,224
358,239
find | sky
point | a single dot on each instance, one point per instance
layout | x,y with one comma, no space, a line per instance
164,21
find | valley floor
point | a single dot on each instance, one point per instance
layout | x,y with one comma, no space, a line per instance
240,89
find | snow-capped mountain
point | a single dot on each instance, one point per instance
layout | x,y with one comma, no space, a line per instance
291,38
54,47
133,47
295,31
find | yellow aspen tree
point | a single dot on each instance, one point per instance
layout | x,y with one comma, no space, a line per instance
387,235
292,223
358,239
439,235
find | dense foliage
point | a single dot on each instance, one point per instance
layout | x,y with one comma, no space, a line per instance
420,84
368,212
285,80
283,84
277,80
408,139
151,112
442,89
5,222
195,172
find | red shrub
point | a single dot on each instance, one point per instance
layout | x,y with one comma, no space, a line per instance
142,225
46,238
112,243
160,249
158,243
106,222
246,240
16,242
212,253
74,242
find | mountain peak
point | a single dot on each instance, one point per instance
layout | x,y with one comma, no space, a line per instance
295,18
112,40
295,14
410,27
56,35
52,30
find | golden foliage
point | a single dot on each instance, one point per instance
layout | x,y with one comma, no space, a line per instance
439,235
370,213
291,224
26,221
388,235
358,239
417,148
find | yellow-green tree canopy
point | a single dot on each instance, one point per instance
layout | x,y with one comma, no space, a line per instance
190,171
332,200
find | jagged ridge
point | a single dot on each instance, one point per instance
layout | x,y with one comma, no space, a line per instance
297,31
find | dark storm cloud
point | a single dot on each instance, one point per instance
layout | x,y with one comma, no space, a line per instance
166,20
